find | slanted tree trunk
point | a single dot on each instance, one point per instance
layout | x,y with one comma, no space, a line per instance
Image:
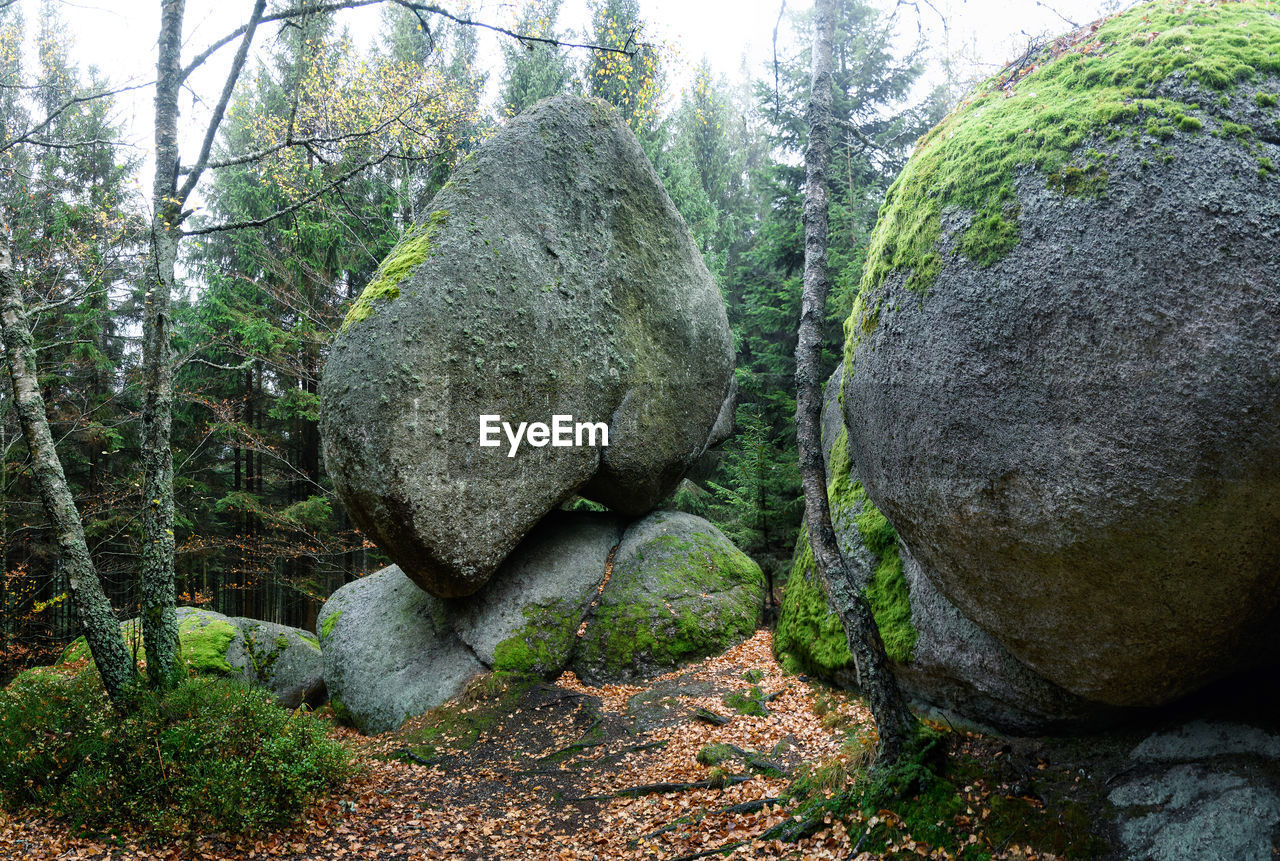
101,628
894,720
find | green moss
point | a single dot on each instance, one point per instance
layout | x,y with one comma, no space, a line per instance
542,646
714,754
1236,130
1265,100
1082,182
809,635
326,627
749,703
1040,121
341,712
203,646
411,251
310,639
204,643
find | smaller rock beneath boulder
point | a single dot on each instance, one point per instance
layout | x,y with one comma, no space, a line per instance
389,651
679,591
526,620
284,660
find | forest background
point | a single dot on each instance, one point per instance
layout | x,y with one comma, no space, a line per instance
348,123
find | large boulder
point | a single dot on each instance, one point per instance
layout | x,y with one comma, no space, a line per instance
944,663
554,277
281,659
1062,376
679,591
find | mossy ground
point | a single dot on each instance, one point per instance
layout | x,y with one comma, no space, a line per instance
455,726
809,633
412,250
1042,115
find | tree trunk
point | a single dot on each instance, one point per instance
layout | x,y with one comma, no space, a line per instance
101,628
156,578
894,720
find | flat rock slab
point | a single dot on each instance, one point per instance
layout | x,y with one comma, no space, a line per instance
1204,790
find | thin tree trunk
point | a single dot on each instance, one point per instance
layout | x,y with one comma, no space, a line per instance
156,577
101,628
894,720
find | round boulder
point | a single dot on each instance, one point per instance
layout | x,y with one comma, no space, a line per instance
553,278
679,591
389,651
1063,372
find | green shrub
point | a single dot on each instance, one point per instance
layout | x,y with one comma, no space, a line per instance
213,754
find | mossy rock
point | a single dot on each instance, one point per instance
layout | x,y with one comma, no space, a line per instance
679,592
554,277
1061,380
276,657
945,664
526,619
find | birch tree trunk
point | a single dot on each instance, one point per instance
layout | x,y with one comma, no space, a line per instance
101,628
894,720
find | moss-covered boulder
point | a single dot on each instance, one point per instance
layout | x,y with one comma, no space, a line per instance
389,651
679,591
553,278
284,660
526,619
1062,381
945,663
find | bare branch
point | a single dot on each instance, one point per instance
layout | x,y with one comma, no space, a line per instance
280,213
416,8
29,135
233,75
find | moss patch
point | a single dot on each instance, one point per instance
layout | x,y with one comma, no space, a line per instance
326,627
542,646
1041,119
202,642
810,637
412,250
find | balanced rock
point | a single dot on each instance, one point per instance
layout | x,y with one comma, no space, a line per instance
679,591
1061,370
554,277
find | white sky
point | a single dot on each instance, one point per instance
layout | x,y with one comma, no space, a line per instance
119,37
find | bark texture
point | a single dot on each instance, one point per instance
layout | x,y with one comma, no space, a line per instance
894,720
97,619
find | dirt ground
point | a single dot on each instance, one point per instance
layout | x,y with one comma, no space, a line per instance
566,771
